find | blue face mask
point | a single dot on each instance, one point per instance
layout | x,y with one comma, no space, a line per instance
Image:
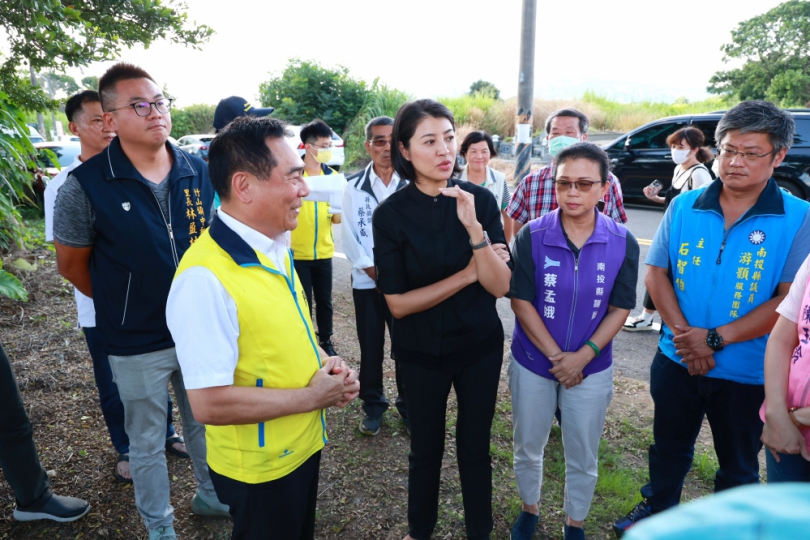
558,144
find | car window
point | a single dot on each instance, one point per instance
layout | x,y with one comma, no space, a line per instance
802,136
65,155
654,136
707,127
207,139
182,141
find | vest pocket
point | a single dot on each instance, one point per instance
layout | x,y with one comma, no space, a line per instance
260,383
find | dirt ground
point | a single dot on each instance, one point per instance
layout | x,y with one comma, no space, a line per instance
363,483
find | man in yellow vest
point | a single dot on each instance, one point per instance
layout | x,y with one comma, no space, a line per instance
312,243
254,373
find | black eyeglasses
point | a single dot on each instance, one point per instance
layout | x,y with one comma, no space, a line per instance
144,108
582,185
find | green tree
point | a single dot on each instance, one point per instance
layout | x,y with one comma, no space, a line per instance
306,90
776,50
197,118
59,84
90,82
485,87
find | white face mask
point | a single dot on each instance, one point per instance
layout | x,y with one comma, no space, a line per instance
679,156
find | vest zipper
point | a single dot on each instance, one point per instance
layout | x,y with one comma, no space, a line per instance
720,255
168,224
126,299
260,384
574,304
315,244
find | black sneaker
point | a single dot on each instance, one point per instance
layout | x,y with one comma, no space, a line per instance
641,511
58,508
370,426
327,347
573,533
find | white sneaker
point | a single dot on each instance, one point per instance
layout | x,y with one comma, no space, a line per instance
636,324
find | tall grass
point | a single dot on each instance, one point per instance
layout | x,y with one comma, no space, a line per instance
381,101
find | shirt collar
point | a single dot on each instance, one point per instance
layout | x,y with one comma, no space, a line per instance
770,201
490,177
251,236
556,237
416,194
373,178
117,164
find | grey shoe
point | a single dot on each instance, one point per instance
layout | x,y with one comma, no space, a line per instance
206,507
58,508
162,533
370,426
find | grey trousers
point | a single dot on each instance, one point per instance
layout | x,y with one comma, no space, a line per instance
534,400
143,383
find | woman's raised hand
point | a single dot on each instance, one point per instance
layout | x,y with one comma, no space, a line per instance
465,205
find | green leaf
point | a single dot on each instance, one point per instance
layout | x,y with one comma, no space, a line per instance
12,287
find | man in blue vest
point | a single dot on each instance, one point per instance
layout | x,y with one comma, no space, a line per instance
721,261
122,221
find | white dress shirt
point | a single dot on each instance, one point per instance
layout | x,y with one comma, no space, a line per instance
202,315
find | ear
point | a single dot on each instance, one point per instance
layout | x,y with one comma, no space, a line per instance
404,151
605,189
72,128
584,137
780,157
109,121
368,147
240,187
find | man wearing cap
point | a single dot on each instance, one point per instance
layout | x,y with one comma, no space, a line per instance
122,222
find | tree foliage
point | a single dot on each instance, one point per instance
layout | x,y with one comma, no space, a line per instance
90,82
197,118
380,101
776,50
486,88
15,161
306,90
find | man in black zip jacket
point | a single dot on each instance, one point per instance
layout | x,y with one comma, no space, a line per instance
122,221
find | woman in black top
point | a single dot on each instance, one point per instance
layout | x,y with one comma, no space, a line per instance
441,278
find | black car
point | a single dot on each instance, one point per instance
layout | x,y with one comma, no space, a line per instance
642,155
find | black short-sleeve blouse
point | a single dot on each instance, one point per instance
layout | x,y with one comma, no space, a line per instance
418,241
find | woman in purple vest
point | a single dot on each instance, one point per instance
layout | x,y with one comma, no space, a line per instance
573,285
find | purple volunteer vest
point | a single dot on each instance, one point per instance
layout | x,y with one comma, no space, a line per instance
572,295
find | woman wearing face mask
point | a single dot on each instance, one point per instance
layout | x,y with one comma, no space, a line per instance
689,155
478,149
441,277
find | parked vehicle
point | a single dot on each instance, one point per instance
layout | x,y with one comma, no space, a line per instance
338,147
196,145
642,155
34,135
64,151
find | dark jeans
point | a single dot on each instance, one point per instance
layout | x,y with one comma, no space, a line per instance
372,314
111,407
282,509
476,388
316,277
681,401
18,454
791,468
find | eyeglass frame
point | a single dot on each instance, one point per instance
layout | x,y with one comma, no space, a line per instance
385,142
151,105
313,145
578,183
723,153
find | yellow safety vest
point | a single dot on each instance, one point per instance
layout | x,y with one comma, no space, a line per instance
276,350
312,239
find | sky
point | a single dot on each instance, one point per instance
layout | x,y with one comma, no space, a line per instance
627,49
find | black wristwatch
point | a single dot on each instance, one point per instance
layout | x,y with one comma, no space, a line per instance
714,340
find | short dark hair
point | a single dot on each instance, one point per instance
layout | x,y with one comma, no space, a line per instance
584,150
317,129
759,117
571,113
242,147
408,118
379,121
475,137
75,103
694,138
122,71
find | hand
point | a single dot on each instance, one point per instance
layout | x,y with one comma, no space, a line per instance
699,366
465,205
782,437
327,384
651,193
351,386
371,272
501,251
690,343
568,367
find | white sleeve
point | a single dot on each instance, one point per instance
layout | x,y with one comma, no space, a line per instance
355,252
790,306
202,318
50,202
700,177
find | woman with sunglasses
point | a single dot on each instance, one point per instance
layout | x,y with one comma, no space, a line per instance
573,285
441,277
478,149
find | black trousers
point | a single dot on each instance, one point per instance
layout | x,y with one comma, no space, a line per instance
316,277
476,388
18,455
648,303
372,314
282,509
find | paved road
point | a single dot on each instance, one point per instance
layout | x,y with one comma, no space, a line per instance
633,351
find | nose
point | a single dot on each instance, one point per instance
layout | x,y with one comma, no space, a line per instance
737,157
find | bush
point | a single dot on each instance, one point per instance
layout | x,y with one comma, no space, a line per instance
194,119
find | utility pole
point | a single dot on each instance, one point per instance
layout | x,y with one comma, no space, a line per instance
523,135
40,118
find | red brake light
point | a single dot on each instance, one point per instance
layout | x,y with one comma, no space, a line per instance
203,148
301,146
339,145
